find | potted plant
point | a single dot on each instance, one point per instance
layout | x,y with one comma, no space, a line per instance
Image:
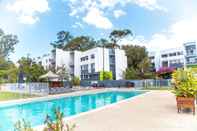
185,89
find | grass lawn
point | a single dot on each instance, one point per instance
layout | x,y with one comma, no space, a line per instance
4,96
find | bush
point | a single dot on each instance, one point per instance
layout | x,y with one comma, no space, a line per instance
185,83
105,75
165,72
75,81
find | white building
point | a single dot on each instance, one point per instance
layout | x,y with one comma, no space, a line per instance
168,58
45,61
172,58
87,65
191,54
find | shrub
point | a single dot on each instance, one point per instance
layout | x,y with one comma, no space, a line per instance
58,125
165,72
185,83
23,126
75,81
105,75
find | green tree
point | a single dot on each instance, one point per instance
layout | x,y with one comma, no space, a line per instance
63,37
81,43
138,62
31,69
8,71
117,35
7,43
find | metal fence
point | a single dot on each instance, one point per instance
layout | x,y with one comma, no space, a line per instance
139,84
28,88
34,88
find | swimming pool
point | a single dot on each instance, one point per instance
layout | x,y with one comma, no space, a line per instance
35,112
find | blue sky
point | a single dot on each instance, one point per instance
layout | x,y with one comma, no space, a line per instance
157,24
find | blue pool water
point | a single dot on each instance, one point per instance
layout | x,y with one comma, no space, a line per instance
36,112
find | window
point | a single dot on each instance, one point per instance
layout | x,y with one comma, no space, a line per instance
172,54
164,55
92,56
92,68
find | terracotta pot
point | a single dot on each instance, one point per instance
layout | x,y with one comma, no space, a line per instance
185,102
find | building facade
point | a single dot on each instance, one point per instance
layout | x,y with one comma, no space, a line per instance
168,58
88,64
190,54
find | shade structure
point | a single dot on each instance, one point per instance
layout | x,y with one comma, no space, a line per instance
49,75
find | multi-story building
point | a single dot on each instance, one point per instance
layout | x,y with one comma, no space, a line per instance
190,54
168,58
45,61
172,58
88,64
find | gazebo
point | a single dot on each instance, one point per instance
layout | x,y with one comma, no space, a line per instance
53,79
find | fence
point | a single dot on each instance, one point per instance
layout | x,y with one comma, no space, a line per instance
139,84
33,88
29,88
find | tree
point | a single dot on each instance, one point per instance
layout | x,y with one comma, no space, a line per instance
8,71
138,62
81,43
103,42
63,37
130,73
135,55
31,69
117,35
7,43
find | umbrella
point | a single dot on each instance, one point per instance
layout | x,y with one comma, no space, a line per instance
49,75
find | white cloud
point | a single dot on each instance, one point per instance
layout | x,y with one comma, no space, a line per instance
119,13
105,8
95,17
149,4
27,10
178,33
174,37
77,25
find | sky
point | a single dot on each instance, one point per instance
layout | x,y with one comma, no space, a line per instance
156,24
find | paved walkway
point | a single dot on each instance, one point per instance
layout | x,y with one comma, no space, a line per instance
154,111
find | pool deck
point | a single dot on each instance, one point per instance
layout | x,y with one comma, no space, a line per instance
153,111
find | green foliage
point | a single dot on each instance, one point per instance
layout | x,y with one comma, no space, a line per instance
130,74
7,43
105,75
58,124
116,35
23,126
138,63
81,43
8,71
135,55
75,81
66,41
31,69
63,37
185,83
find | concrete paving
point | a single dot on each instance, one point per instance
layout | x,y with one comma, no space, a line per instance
154,111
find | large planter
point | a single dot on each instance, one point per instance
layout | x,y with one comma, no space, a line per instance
185,102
